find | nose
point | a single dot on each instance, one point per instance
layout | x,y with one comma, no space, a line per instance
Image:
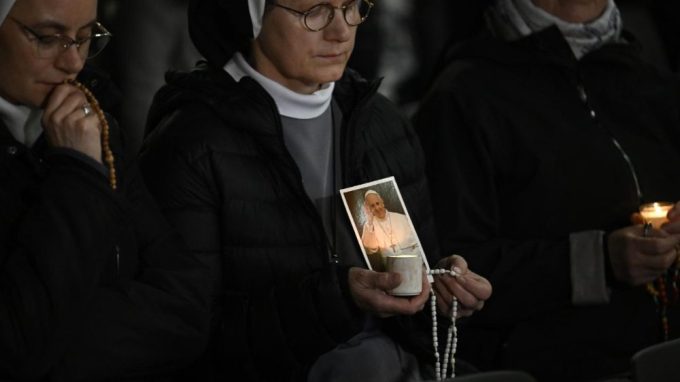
338,29
70,60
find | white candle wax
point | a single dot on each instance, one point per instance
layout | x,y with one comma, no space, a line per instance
410,267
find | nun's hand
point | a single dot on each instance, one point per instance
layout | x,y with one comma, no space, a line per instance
370,292
469,288
70,122
637,257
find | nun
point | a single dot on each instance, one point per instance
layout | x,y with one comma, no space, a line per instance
246,154
93,283
543,135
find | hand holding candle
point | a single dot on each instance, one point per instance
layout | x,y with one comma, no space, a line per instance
655,213
673,225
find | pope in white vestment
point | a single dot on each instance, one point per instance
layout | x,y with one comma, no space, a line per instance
386,233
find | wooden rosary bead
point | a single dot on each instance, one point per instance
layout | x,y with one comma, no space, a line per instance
105,133
658,289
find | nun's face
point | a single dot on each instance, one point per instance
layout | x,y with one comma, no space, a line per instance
288,53
26,78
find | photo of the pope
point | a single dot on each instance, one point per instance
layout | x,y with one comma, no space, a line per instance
380,222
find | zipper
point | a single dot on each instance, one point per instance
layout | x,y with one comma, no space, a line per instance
117,260
593,115
298,187
630,166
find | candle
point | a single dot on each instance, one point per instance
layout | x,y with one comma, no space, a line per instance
655,213
410,267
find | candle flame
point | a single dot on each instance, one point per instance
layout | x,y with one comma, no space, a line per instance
657,207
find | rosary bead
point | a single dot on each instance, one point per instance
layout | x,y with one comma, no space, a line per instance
451,340
108,154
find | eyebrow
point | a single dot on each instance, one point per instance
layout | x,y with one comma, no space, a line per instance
50,24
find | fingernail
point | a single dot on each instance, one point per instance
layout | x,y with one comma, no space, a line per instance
457,270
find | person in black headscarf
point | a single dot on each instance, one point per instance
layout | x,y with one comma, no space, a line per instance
246,155
543,135
93,282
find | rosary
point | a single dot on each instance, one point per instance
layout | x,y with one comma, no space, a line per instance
106,148
452,336
659,289
663,298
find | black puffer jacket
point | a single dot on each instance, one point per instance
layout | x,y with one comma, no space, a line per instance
94,284
218,166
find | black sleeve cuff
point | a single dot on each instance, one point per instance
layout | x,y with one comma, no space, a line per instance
80,157
587,260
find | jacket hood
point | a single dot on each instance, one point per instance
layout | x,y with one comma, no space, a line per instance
220,28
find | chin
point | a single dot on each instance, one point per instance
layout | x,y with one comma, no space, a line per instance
39,101
331,74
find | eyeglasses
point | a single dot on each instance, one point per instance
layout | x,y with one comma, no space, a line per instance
321,15
51,46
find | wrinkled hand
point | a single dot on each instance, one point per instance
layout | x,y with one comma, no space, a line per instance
673,225
370,289
636,259
66,124
470,288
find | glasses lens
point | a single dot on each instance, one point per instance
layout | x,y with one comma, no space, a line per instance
49,46
357,11
97,43
319,16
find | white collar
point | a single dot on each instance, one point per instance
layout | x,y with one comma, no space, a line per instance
21,121
513,19
289,103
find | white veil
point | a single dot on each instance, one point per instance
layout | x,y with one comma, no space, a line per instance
5,6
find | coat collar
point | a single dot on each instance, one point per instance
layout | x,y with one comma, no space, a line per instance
218,90
547,47
9,145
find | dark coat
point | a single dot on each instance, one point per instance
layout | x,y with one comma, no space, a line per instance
218,165
93,283
520,155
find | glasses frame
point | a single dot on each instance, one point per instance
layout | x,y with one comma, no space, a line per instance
343,8
65,41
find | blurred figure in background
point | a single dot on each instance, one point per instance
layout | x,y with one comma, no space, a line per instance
152,37
404,44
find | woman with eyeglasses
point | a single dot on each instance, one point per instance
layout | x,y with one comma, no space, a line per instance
246,155
93,284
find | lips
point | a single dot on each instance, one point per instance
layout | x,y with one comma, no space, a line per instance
55,83
332,57
50,83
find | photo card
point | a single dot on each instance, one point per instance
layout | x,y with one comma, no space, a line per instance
381,222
